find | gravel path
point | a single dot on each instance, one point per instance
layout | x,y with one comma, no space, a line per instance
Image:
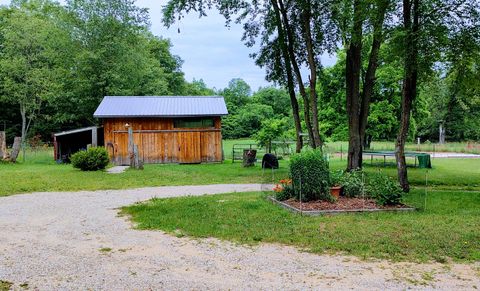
76,241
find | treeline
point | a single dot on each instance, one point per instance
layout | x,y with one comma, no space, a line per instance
414,38
438,101
58,61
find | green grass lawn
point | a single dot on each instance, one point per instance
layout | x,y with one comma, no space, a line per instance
40,173
34,177
445,173
449,228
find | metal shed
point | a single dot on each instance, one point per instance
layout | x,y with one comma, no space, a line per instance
166,129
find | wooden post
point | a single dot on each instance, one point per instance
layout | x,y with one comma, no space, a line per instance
94,137
135,156
131,153
17,144
3,145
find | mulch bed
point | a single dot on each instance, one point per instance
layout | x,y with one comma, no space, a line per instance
342,203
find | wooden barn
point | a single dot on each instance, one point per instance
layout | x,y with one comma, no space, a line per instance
166,129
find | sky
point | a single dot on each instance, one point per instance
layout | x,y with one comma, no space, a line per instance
210,50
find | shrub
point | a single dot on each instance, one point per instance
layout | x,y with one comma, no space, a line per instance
384,189
352,183
310,176
93,159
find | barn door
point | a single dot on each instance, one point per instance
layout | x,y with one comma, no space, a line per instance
120,142
189,147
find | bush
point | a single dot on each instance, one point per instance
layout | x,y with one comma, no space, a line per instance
352,183
93,159
384,190
310,176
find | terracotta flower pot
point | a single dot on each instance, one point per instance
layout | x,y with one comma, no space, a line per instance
335,191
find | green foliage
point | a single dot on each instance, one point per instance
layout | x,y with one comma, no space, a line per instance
32,51
198,88
58,61
237,94
278,99
384,189
246,121
310,175
455,100
353,183
336,178
272,130
93,159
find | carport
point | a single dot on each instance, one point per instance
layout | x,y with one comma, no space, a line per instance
69,142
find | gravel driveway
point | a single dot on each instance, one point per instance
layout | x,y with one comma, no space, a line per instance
73,241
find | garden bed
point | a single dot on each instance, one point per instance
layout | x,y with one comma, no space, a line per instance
342,205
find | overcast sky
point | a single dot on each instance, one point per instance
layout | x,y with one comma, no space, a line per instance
210,50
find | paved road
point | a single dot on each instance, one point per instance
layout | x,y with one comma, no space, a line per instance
54,241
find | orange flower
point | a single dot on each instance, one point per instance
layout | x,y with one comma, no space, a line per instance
286,181
278,188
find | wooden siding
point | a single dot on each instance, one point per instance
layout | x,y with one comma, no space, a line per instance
159,142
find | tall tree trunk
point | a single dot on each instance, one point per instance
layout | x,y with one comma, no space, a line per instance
296,119
290,80
352,78
296,69
312,64
370,78
358,104
17,144
409,90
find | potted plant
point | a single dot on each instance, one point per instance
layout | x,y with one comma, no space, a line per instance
336,185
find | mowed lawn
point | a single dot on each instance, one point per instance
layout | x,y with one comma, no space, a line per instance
40,173
448,229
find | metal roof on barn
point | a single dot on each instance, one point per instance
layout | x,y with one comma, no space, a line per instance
161,106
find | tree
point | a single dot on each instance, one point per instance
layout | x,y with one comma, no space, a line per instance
272,129
358,100
30,68
277,98
237,94
430,29
84,50
198,88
